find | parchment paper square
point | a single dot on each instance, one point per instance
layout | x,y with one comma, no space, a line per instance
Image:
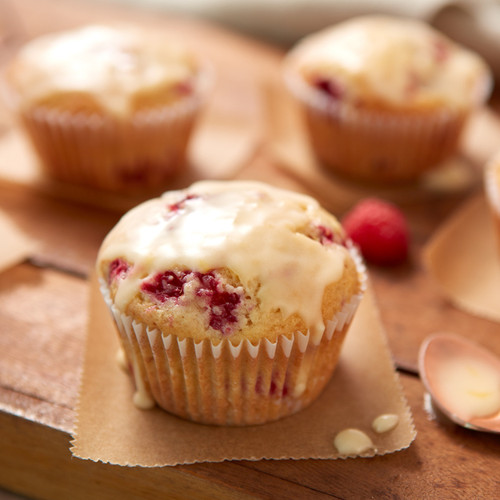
110,429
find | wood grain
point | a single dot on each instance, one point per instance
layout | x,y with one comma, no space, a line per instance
42,315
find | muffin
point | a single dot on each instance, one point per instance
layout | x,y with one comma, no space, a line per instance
492,188
232,299
109,107
384,99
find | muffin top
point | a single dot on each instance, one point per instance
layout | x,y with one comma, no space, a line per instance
235,259
118,69
387,61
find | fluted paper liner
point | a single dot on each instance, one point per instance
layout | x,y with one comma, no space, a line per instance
378,146
218,381
235,384
463,257
110,428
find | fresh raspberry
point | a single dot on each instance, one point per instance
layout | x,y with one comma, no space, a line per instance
380,231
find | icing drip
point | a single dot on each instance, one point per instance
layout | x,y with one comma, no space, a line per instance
352,442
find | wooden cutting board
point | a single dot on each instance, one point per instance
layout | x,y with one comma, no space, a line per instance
43,319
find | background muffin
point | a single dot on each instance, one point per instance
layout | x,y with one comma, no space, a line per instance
111,107
385,99
232,299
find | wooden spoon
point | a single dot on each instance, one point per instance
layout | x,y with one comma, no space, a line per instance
463,380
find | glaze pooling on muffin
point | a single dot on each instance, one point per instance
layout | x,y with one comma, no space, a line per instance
224,252
117,66
379,59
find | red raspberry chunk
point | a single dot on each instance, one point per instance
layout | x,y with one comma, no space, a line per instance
118,268
329,87
166,285
179,205
441,50
221,300
184,88
328,237
275,389
325,235
222,303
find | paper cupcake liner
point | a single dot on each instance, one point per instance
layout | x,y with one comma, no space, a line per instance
112,154
218,382
375,145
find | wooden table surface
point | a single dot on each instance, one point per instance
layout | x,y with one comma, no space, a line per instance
43,317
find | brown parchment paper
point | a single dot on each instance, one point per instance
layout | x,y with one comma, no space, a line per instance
16,246
110,429
464,259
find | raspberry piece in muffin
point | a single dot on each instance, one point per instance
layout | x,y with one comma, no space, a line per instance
330,87
179,205
166,285
222,302
329,237
206,291
325,235
117,269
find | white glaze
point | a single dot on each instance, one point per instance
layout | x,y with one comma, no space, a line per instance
393,60
142,398
251,228
113,64
121,359
385,422
468,387
134,332
352,442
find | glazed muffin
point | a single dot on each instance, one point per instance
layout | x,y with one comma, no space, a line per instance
492,188
232,299
110,107
385,99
